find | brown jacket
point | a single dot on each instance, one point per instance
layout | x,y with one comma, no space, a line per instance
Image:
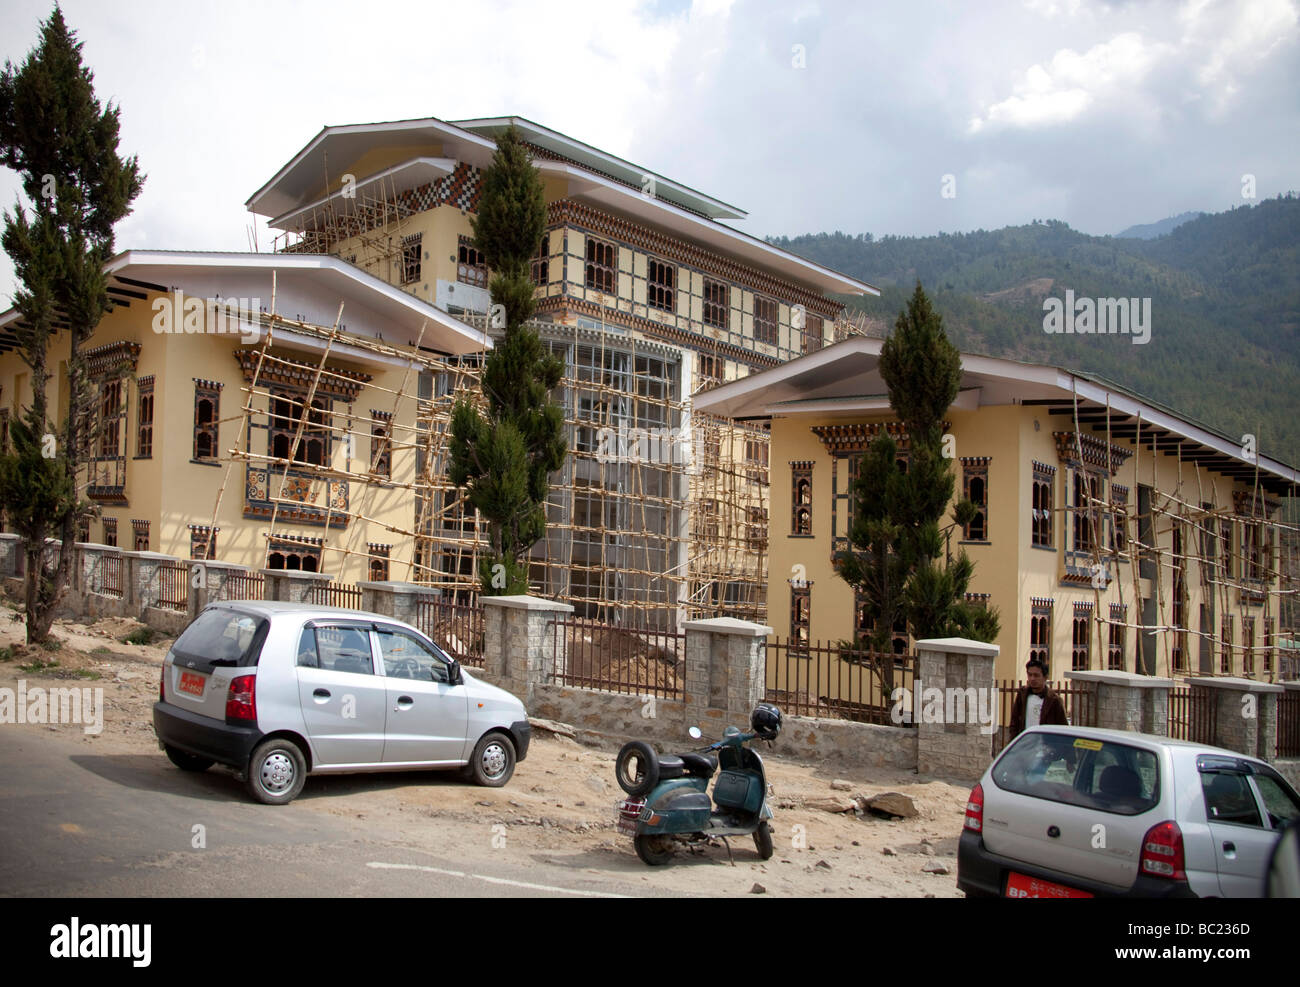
1053,710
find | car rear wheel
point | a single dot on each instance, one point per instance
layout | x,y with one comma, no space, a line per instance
276,772
186,761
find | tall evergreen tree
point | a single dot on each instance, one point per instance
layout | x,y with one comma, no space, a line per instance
504,454
54,133
899,560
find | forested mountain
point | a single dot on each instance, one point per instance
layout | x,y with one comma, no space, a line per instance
1224,343
1149,231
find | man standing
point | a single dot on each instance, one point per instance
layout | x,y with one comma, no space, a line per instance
1035,703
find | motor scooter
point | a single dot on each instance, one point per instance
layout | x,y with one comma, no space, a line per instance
668,803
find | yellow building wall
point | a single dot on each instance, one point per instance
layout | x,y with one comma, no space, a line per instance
1010,569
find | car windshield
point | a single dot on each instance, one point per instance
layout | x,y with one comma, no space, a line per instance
1083,771
221,637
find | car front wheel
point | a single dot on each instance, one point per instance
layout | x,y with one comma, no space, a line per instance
493,762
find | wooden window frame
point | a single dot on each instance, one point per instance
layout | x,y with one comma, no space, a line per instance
1040,630
976,470
541,265
1117,634
767,325
601,270
801,499
1043,503
471,267
717,304
412,258
211,428
660,292
1081,638
381,444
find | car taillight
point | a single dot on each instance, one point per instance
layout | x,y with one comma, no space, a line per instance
241,698
975,810
1162,852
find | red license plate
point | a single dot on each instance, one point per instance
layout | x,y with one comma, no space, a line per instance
191,683
629,812
1022,886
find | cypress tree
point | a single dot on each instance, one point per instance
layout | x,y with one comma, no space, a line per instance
503,453
898,559
54,133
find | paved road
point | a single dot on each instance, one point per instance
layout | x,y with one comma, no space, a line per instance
75,823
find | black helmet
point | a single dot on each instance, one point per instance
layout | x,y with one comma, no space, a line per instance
766,721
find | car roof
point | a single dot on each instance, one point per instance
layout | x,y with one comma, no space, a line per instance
1155,740
309,611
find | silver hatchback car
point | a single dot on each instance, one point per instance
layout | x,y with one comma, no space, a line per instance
1079,812
278,691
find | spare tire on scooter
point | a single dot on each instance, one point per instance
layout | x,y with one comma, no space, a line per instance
637,768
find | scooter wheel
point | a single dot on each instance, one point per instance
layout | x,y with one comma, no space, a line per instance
654,850
763,840
637,768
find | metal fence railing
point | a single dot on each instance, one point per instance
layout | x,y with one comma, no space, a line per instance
1288,724
174,586
610,658
1192,715
456,628
828,680
336,595
243,586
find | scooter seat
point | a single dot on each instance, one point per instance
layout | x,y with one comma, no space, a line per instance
700,765
671,766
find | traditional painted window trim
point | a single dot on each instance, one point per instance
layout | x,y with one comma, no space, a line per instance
139,535
381,443
471,268
569,212
1043,510
1225,644
541,265
767,320
1069,445
1118,539
1081,637
813,334
855,438
298,374
975,484
1248,646
412,257
661,285
207,426
600,266
710,369
112,359
1117,632
717,304
801,498
800,618
110,531
203,541
282,548
377,568
144,417
1040,629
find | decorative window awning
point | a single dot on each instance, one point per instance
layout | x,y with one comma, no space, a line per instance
1096,452
111,358
277,369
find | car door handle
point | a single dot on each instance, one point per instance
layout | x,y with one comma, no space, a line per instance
1230,849
403,702
321,694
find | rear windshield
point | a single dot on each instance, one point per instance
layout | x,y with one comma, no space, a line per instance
221,638
1083,771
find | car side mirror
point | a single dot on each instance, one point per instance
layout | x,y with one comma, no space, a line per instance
453,673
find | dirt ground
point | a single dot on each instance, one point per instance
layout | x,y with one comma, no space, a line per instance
562,797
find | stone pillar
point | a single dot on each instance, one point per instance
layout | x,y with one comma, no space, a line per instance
1245,714
141,591
519,645
293,585
395,599
726,670
1126,701
955,707
11,555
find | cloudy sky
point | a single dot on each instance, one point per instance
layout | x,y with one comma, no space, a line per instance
810,115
